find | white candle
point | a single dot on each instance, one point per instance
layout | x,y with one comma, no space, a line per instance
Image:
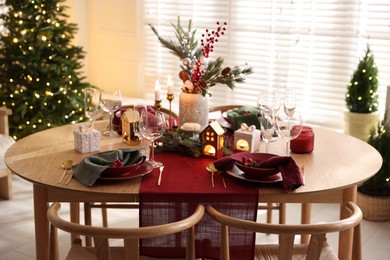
157,91
170,85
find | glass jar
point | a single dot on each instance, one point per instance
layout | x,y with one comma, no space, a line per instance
304,143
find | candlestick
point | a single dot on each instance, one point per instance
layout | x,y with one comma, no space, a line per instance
157,105
170,97
157,91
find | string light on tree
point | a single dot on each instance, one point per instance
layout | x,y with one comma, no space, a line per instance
41,80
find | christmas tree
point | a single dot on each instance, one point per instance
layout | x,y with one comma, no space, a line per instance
379,184
362,96
40,78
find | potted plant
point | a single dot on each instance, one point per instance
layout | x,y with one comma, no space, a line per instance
362,99
374,194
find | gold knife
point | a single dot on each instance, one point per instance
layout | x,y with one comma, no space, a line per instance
159,176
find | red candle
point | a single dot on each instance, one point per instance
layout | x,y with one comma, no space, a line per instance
304,143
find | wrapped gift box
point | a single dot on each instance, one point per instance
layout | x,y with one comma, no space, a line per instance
87,141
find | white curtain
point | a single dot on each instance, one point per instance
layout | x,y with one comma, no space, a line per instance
312,46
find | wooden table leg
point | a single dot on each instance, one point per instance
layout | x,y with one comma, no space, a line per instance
305,219
41,205
346,237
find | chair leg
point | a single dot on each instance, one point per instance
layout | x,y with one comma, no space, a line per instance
88,221
5,184
104,215
269,212
282,213
305,219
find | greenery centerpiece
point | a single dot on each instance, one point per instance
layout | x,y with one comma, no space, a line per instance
362,98
198,72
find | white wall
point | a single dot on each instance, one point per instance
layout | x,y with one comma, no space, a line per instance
111,33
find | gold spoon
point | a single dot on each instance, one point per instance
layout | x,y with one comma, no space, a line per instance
211,168
66,165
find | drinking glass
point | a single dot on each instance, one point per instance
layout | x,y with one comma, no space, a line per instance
110,102
268,102
91,104
144,143
289,102
152,126
267,123
288,127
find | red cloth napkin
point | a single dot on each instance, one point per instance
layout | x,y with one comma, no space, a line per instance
291,174
185,184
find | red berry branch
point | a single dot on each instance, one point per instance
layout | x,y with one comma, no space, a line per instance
207,42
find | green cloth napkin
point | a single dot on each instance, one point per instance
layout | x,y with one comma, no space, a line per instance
90,168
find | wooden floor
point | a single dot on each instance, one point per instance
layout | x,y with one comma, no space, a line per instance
17,227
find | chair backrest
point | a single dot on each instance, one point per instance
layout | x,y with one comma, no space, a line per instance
130,236
287,232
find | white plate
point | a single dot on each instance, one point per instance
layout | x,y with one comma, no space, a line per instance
235,172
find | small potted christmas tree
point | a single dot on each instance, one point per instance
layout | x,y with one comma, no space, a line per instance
374,194
362,98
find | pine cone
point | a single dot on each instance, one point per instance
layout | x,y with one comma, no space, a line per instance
183,76
226,71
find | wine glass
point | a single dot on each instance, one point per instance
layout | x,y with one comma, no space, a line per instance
288,127
268,102
267,123
152,126
91,104
289,102
144,143
110,102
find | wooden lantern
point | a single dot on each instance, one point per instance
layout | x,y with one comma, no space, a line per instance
212,140
247,138
128,118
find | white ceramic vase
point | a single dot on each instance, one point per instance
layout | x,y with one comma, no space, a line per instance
193,108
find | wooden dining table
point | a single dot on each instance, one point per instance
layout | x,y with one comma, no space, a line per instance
333,171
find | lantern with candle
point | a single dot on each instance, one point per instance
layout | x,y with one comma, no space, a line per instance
247,138
213,140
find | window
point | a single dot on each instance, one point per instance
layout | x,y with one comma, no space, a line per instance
312,46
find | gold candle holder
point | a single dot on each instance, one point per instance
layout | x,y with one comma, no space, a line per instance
170,97
157,105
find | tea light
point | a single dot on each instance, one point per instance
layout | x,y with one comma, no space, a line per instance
247,138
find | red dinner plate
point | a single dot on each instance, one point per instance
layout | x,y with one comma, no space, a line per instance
142,170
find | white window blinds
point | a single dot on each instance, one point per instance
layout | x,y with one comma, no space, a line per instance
312,46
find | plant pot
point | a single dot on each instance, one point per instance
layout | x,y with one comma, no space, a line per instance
374,208
193,108
359,125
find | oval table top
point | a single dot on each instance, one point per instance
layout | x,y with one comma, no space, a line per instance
338,161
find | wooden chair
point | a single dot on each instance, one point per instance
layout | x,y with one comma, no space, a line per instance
281,207
5,142
130,236
317,248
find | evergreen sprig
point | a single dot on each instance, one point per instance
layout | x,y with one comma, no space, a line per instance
214,72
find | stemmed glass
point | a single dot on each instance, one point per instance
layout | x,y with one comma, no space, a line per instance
144,143
267,123
288,127
289,102
152,126
268,104
91,104
110,102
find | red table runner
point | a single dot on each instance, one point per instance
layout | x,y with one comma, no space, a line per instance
185,184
